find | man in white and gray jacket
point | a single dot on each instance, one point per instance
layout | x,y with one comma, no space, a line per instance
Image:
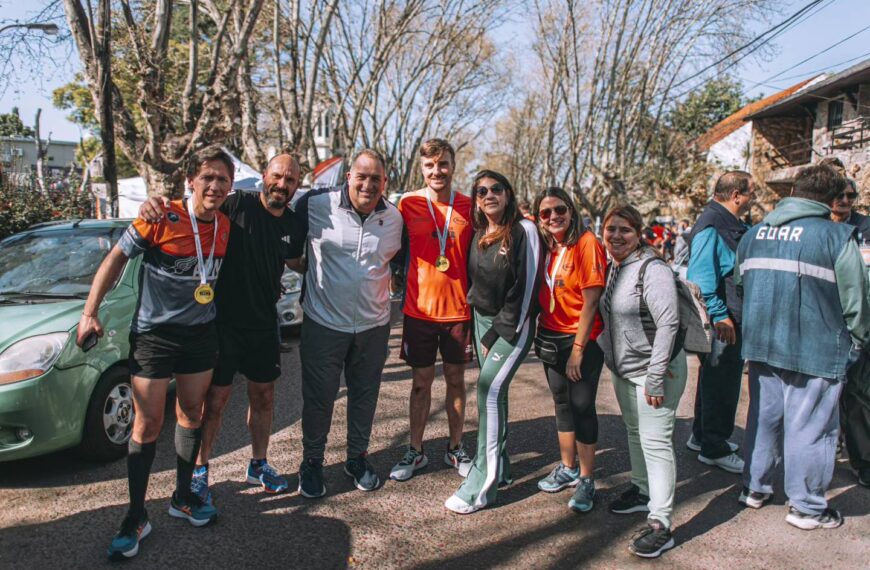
350,234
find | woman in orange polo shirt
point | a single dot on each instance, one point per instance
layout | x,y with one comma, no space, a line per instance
569,323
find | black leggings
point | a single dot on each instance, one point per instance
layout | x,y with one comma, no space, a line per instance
575,401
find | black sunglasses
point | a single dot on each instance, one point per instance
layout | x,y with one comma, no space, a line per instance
545,213
847,195
482,191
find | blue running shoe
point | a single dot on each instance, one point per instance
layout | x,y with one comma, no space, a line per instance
193,509
125,544
261,473
584,496
559,478
199,485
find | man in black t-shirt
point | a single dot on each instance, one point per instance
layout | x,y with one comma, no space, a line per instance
248,287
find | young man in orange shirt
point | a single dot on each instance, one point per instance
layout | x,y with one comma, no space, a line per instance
437,317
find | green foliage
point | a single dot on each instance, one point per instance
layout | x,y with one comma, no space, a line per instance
21,205
76,97
704,107
11,125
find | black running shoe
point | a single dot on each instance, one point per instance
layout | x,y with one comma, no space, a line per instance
632,501
364,476
754,499
652,541
829,518
864,477
311,479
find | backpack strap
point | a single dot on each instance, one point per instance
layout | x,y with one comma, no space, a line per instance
646,319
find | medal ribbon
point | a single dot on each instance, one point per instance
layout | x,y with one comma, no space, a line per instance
442,237
204,269
550,278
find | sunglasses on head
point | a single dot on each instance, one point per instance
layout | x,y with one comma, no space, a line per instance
482,191
847,196
546,212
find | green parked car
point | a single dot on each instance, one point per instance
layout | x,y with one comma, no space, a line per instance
52,394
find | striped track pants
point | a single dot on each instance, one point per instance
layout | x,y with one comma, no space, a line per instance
491,464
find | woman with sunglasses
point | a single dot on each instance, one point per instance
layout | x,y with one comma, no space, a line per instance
503,272
643,351
568,325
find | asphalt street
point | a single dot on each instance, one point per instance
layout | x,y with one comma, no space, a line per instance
60,512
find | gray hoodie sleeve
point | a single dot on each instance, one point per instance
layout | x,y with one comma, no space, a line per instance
852,283
660,294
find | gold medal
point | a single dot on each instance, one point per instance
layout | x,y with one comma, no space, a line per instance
552,305
204,294
442,264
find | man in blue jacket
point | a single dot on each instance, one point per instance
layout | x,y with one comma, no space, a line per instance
713,245
806,318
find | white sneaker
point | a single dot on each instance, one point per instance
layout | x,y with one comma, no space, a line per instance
459,506
695,445
731,463
464,469
410,462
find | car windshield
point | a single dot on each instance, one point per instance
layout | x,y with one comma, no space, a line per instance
55,262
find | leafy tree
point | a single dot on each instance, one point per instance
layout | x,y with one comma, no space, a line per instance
11,125
716,100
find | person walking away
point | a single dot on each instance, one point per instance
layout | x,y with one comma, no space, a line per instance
712,245
568,325
436,314
806,318
504,267
642,348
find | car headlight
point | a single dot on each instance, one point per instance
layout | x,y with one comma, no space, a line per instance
292,282
30,357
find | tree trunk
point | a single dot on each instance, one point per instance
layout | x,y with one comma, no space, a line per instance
41,153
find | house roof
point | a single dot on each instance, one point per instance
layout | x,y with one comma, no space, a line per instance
730,124
859,73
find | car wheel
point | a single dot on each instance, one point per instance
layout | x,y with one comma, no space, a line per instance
109,420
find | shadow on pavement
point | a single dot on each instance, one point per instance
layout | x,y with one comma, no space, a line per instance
248,537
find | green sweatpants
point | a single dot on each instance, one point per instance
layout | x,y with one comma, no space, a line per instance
491,464
651,436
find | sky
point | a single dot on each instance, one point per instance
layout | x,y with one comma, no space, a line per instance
834,21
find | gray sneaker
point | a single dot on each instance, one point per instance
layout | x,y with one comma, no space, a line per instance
559,478
584,495
362,472
457,458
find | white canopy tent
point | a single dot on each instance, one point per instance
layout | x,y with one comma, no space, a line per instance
132,191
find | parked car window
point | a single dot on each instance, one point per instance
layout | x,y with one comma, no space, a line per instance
61,262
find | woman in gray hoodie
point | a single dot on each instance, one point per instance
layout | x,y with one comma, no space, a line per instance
642,348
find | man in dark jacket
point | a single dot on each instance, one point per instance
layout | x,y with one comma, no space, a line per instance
855,402
806,318
713,244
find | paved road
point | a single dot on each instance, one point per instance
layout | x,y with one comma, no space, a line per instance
59,512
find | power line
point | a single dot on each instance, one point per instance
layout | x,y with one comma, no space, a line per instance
815,55
828,68
785,22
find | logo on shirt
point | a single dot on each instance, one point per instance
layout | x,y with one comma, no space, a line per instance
172,217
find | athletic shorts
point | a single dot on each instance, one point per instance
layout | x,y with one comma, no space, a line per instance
421,341
173,349
256,353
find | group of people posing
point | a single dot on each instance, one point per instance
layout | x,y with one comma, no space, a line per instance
485,282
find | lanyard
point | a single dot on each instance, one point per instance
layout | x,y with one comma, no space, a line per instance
204,270
550,278
442,236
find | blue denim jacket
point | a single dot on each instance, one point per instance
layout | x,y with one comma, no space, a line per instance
795,312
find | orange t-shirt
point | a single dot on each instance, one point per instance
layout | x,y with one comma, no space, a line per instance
583,266
432,295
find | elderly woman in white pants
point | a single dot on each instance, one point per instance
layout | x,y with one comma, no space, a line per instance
643,350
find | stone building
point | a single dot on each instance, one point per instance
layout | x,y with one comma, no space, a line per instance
828,118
